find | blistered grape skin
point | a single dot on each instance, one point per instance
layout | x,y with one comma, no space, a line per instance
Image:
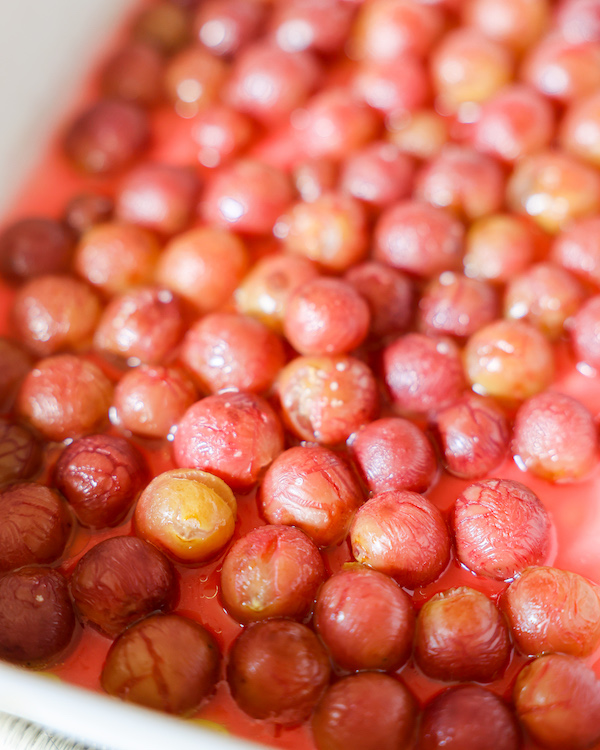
326,399
555,437
277,671
121,580
101,477
65,396
35,525
465,717
402,534
37,621
557,699
273,571
423,373
367,711
461,635
365,620
473,435
551,610
234,436
500,528
394,454
314,489
166,662
20,451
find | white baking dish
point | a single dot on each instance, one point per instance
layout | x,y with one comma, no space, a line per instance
46,47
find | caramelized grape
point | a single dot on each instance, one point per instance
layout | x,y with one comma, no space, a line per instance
394,454
20,453
33,247
326,399
423,373
467,717
555,437
473,434
509,359
226,350
65,396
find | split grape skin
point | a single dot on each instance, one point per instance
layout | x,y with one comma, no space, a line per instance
235,436
314,489
167,662
557,699
272,571
402,534
551,610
